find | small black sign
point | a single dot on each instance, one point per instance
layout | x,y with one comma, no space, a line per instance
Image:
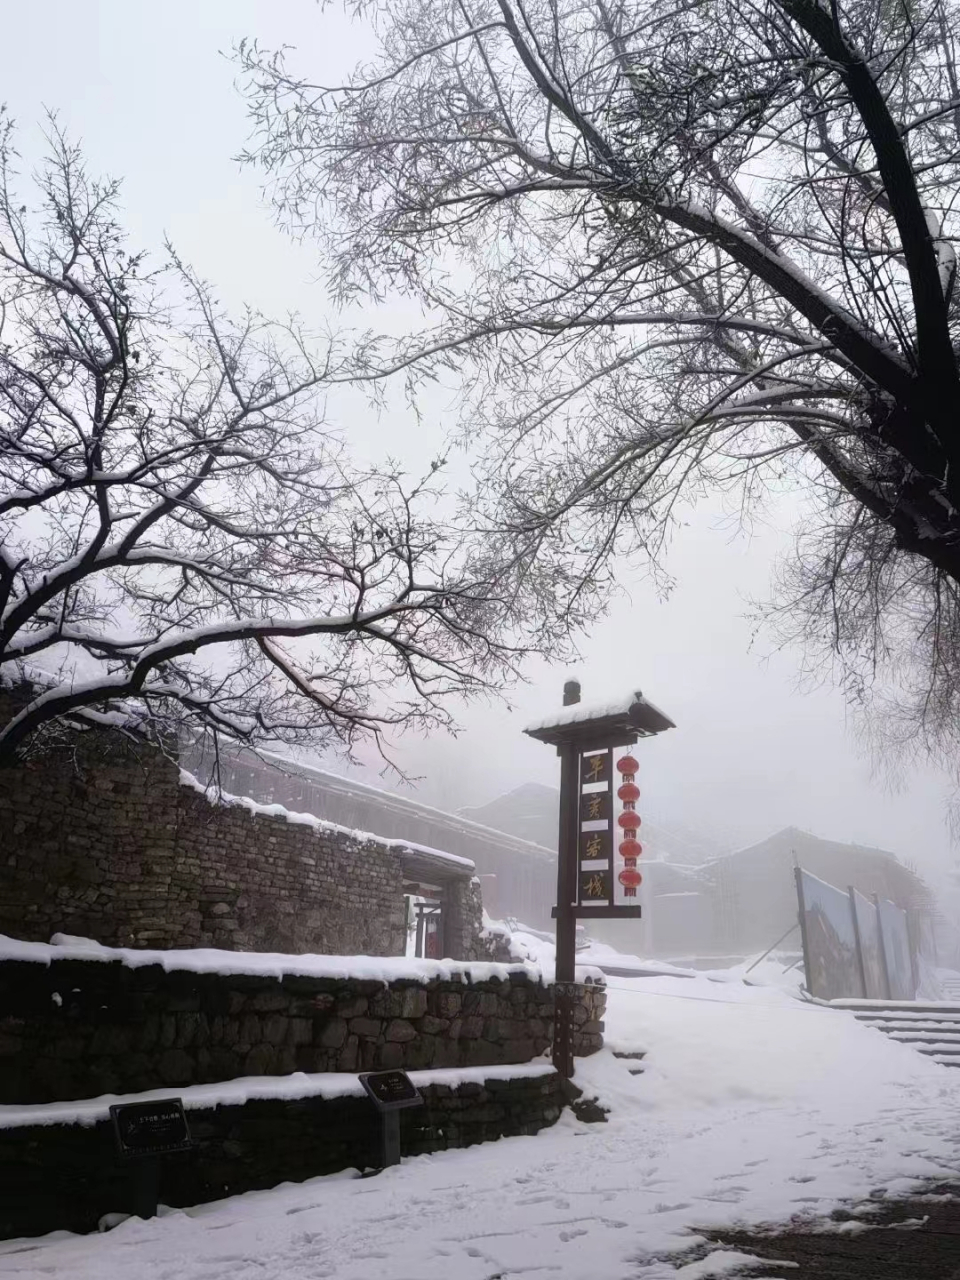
148,1129
391,1090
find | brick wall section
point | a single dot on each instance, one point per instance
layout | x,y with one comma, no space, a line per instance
67,1176
81,1028
262,882
110,846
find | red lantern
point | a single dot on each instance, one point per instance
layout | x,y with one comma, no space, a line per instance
627,764
630,848
629,877
628,820
629,792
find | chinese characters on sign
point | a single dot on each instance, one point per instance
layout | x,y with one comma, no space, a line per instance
595,807
595,767
594,844
595,841
595,886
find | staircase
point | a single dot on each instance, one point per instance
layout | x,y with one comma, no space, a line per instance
933,1028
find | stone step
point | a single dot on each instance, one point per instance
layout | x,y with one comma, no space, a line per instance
904,1015
912,1024
897,1007
938,1050
924,1037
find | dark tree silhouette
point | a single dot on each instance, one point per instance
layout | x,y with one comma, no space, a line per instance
182,540
672,246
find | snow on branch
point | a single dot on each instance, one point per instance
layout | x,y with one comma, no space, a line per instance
181,528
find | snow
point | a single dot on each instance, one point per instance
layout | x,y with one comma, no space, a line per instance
216,796
233,1093
539,949
384,969
683,210
580,711
753,1107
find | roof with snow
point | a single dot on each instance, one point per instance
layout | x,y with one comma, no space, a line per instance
420,862
589,723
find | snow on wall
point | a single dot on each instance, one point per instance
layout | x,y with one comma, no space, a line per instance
320,824
383,969
235,1093
82,1020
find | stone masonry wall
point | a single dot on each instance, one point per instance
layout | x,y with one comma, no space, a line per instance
117,850
80,1028
66,1176
463,920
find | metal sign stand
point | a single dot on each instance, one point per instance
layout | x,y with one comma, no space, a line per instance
146,1188
145,1132
390,1092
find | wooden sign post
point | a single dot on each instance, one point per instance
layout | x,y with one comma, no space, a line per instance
585,740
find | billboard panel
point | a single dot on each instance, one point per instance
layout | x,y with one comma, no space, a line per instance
829,940
896,948
868,924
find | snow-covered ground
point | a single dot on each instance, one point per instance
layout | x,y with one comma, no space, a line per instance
539,949
752,1106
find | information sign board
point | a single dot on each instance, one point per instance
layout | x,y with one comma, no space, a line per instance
391,1090
146,1130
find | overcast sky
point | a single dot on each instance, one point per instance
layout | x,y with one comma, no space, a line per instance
147,90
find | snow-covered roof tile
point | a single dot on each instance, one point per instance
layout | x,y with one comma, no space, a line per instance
637,713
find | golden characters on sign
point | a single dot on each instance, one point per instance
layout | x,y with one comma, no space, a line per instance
593,847
593,888
594,768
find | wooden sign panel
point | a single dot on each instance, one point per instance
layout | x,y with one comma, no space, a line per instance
595,829
595,886
595,807
595,767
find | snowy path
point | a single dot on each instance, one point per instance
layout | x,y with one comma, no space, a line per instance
752,1107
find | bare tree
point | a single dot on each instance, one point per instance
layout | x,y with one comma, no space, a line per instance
182,540
702,243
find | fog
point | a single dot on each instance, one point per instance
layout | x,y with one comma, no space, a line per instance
150,93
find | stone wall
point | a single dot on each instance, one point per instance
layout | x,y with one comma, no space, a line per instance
463,920
77,1028
106,843
588,1014
67,1176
